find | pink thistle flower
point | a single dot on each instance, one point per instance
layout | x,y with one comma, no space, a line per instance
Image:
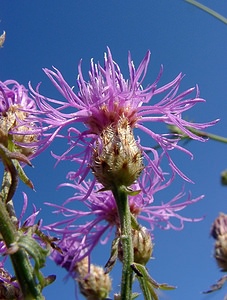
20,120
106,98
80,230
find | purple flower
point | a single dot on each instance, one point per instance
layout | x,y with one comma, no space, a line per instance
14,94
106,98
80,230
20,120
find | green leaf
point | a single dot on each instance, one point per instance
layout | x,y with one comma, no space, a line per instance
147,283
217,286
130,192
38,253
113,255
19,157
50,279
23,177
135,295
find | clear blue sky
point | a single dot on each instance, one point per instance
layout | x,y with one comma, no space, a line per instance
183,39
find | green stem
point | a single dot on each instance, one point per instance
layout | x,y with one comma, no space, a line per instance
20,260
121,198
208,10
174,129
5,192
209,135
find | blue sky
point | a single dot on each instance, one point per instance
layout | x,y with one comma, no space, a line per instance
182,38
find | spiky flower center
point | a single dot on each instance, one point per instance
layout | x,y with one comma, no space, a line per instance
110,115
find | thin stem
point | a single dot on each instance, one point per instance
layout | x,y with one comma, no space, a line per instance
186,138
5,192
208,10
175,130
125,219
211,136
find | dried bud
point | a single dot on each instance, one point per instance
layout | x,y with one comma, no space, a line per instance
2,39
117,159
142,245
219,232
219,227
220,252
93,282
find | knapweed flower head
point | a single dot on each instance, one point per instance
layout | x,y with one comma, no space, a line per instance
96,219
106,100
18,119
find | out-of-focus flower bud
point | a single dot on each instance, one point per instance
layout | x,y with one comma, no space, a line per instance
219,227
224,177
220,252
2,39
93,282
219,232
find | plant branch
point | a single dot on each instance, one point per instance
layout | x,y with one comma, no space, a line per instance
208,10
121,198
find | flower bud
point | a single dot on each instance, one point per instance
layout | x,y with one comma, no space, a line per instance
142,245
220,252
224,177
219,227
117,159
2,39
93,282
219,232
